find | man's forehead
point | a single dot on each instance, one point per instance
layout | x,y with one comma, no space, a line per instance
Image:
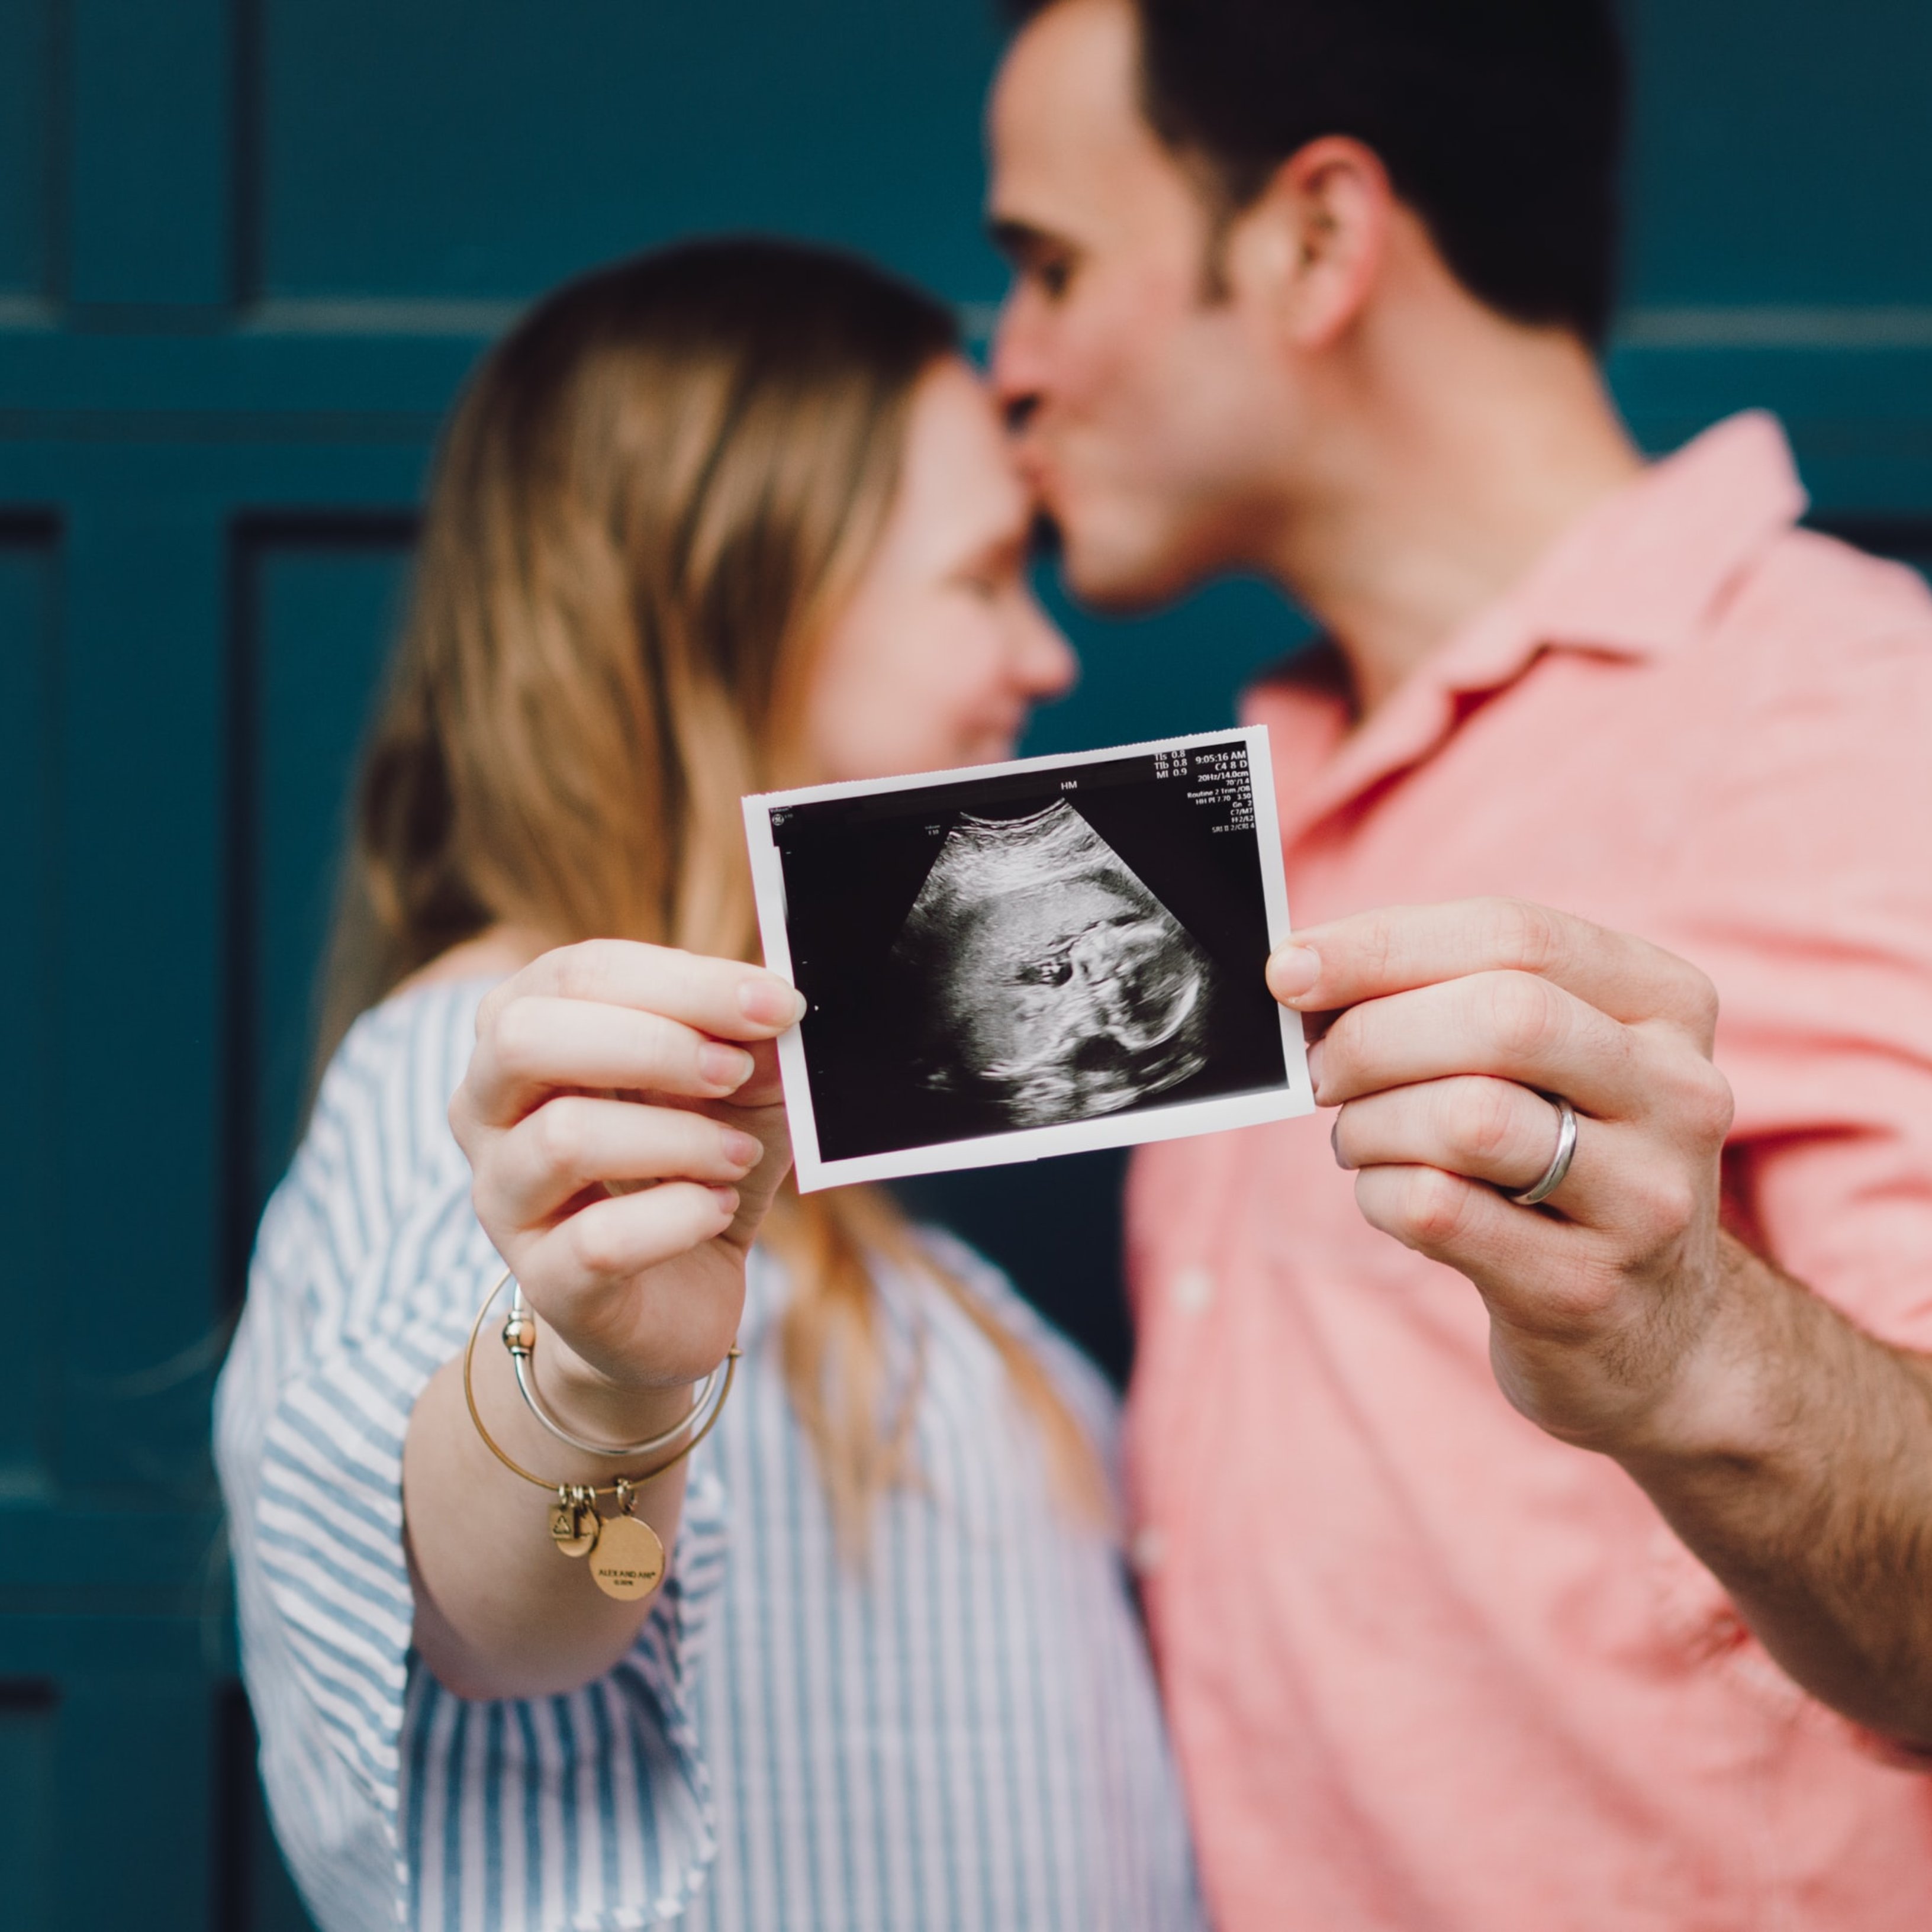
1068,142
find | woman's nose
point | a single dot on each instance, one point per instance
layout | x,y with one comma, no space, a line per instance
1043,661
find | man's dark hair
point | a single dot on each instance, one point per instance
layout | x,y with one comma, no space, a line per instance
1500,122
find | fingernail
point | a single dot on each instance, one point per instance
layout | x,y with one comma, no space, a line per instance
726,1199
741,1150
727,1067
1335,1144
1293,972
770,1002
1315,1067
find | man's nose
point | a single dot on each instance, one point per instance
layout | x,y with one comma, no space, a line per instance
1013,363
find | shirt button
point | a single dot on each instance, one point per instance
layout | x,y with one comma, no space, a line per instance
1192,1289
1148,1550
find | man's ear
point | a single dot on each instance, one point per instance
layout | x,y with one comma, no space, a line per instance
1311,246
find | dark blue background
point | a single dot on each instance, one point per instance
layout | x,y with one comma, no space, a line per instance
247,248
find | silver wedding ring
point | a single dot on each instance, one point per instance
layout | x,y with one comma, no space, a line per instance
1551,1179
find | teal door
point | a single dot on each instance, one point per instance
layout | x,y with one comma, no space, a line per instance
248,249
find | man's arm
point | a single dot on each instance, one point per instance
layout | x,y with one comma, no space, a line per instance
1791,1452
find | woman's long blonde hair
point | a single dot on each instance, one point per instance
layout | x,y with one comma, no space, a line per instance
653,495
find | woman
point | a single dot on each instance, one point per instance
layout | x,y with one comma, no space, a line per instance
731,517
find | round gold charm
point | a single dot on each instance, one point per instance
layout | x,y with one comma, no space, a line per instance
628,1559
573,1527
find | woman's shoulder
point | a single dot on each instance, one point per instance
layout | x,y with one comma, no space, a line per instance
378,1130
423,1015
408,1053
391,1079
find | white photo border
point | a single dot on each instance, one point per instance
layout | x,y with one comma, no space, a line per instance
1292,1098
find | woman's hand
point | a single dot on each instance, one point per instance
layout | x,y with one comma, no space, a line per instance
623,1117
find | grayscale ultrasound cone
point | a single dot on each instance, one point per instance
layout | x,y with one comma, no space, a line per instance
1053,986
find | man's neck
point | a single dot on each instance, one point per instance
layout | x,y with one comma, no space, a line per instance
1451,462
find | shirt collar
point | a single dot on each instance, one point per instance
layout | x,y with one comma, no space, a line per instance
1636,577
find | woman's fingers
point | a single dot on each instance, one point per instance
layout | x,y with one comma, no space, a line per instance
646,1288
578,1141
720,996
618,1095
627,1280
614,1014
610,1243
540,1043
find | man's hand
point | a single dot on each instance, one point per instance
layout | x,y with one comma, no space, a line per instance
1791,1451
1451,1024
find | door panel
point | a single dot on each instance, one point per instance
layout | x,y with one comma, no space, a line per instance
1780,154
27,1876
141,803
148,177
496,145
26,110
29,581
319,599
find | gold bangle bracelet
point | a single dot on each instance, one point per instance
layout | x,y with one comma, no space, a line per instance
627,1559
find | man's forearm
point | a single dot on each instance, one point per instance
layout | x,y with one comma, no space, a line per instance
1791,1452
1796,1463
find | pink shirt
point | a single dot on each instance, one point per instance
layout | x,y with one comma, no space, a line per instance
1427,1667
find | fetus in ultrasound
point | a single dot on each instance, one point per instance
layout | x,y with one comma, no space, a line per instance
1053,986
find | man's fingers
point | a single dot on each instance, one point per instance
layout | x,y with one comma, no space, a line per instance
1444,1215
1547,1283
540,1043
577,1141
1531,1270
1490,1130
719,996
1508,1026
1369,956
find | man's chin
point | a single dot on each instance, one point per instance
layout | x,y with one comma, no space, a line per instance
1118,579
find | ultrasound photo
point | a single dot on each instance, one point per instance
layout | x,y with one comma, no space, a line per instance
1055,985
1029,959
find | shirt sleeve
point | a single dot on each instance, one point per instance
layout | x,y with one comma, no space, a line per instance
1807,896
397,1802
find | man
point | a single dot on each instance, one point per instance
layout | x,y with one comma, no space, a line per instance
1313,287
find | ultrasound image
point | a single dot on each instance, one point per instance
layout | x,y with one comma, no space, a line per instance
1029,949
1058,987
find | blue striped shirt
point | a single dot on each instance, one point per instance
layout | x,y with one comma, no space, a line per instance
962,1732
